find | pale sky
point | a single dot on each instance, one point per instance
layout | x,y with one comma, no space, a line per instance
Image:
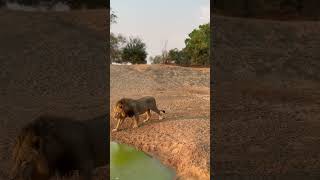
157,21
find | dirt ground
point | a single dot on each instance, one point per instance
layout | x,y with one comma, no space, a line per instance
182,139
50,63
266,96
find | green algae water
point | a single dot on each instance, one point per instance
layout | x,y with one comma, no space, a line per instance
127,163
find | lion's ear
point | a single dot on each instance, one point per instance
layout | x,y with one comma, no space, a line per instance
121,106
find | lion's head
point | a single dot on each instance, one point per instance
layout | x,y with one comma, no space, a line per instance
119,110
29,162
44,147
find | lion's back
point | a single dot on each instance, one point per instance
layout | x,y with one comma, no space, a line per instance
145,103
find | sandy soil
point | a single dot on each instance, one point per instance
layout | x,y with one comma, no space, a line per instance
181,140
50,63
267,98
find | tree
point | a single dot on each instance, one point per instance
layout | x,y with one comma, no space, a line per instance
116,42
197,45
156,59
179,57
113,17
164,54
116,45
196,51
163,58
134,51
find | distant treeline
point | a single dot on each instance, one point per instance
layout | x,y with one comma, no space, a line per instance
306,9
74,4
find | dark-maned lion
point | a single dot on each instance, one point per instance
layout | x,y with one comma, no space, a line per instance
55,145
126,107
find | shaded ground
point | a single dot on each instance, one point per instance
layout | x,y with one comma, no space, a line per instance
50,63
181,140
267,98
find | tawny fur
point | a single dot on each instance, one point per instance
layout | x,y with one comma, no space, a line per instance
127,107
51,145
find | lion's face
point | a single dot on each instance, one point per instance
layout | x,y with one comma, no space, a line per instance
118,111
29,163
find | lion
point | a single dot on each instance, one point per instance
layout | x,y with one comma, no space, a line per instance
50,146
127,107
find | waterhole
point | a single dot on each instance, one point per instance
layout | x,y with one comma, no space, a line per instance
128,163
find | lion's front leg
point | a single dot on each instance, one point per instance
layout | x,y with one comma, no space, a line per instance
118,124
136,120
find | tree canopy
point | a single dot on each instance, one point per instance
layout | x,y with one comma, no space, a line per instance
179,57
197,45
156,59
134,51
195,52
116,44
123,50
113,17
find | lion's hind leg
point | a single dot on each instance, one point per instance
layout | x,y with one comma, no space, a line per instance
136,120
156,110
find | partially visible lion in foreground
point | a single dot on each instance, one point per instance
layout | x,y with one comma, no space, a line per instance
54,145
126,107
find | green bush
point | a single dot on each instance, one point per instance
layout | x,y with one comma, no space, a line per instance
134,51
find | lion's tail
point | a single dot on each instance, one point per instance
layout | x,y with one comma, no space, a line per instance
163,111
